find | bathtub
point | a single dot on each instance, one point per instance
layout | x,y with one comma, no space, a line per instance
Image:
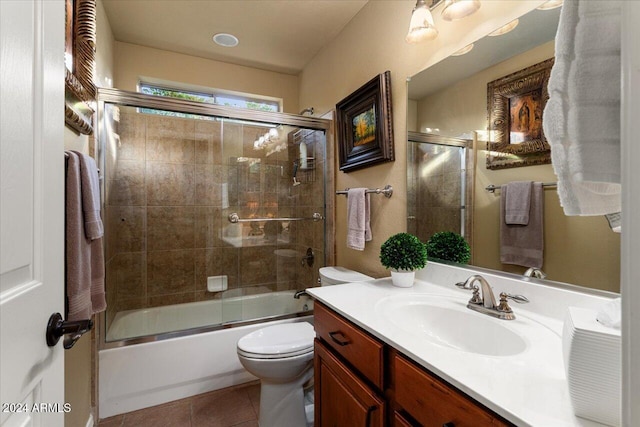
178,317
138,376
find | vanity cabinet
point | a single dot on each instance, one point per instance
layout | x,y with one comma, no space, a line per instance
362,382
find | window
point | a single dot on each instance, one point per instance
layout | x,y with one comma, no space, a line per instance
213,97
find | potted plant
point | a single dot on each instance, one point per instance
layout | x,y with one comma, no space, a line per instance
403,253
449,246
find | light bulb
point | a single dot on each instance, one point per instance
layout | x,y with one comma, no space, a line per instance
458,9
421,26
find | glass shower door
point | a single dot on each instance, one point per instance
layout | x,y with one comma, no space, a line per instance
437,195
270,195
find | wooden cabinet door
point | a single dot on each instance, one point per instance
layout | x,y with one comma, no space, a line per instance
341,398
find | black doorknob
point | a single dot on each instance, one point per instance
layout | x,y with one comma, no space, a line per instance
57,327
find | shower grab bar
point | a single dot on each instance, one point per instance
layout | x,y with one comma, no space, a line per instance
234,218
387,191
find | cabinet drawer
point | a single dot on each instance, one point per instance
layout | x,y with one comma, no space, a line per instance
434,403
361,350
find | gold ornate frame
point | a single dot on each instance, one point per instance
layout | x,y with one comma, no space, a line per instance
80,44
526,88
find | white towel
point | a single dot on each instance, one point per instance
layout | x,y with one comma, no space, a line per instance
358,218
582,117
517,202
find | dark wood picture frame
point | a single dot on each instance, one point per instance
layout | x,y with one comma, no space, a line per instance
80,45
364,125
514,113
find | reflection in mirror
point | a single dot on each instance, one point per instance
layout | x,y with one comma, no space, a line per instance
439,182
449,99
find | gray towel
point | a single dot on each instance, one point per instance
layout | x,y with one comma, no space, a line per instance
93,227
517,202
523,244
358,218
84,256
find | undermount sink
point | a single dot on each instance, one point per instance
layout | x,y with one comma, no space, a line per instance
448,322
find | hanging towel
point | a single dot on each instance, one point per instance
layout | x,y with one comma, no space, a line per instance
517,202
523,244
93,227
582,117
84,255
358,218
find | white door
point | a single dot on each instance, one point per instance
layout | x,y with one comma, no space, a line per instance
31,210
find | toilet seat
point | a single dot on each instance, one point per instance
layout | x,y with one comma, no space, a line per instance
278,341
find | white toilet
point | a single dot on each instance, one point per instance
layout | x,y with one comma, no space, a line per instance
282,357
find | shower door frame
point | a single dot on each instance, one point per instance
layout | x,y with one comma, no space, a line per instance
139,100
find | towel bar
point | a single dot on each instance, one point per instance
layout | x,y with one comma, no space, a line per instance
387,191
492,188
234,218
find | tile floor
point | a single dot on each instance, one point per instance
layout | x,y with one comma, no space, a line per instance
230,407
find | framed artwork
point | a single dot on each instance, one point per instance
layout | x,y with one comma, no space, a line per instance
80,45
514,111
364,125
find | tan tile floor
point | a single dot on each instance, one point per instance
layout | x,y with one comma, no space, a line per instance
231,407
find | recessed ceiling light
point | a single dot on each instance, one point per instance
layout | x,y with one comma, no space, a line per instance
226,40
464,50
551,4
505,28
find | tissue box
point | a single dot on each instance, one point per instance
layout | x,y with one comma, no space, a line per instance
592,360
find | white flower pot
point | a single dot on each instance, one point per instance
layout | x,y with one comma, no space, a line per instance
402,278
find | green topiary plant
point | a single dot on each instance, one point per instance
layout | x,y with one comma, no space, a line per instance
403,251
449,246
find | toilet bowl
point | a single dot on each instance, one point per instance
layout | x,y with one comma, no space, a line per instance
282,357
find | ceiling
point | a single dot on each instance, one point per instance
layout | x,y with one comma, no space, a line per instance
535,28
276,35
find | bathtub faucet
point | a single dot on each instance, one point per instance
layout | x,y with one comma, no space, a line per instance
298,294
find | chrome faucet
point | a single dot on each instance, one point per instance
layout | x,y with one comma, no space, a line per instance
298,294
485,302
535,272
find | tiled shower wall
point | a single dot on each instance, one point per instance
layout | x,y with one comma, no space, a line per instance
171,183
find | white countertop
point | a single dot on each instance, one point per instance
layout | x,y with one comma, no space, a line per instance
529,388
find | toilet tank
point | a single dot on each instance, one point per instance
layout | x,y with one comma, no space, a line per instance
337,275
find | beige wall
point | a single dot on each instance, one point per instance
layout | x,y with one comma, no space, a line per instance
567,240
372,43
134,61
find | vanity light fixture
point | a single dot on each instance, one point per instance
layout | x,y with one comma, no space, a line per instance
551,4
464,50
505,28
225,39
458,9
421,26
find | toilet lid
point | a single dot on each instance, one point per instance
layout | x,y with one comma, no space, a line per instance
343,275
284,340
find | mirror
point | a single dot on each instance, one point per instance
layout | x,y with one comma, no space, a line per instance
449,100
